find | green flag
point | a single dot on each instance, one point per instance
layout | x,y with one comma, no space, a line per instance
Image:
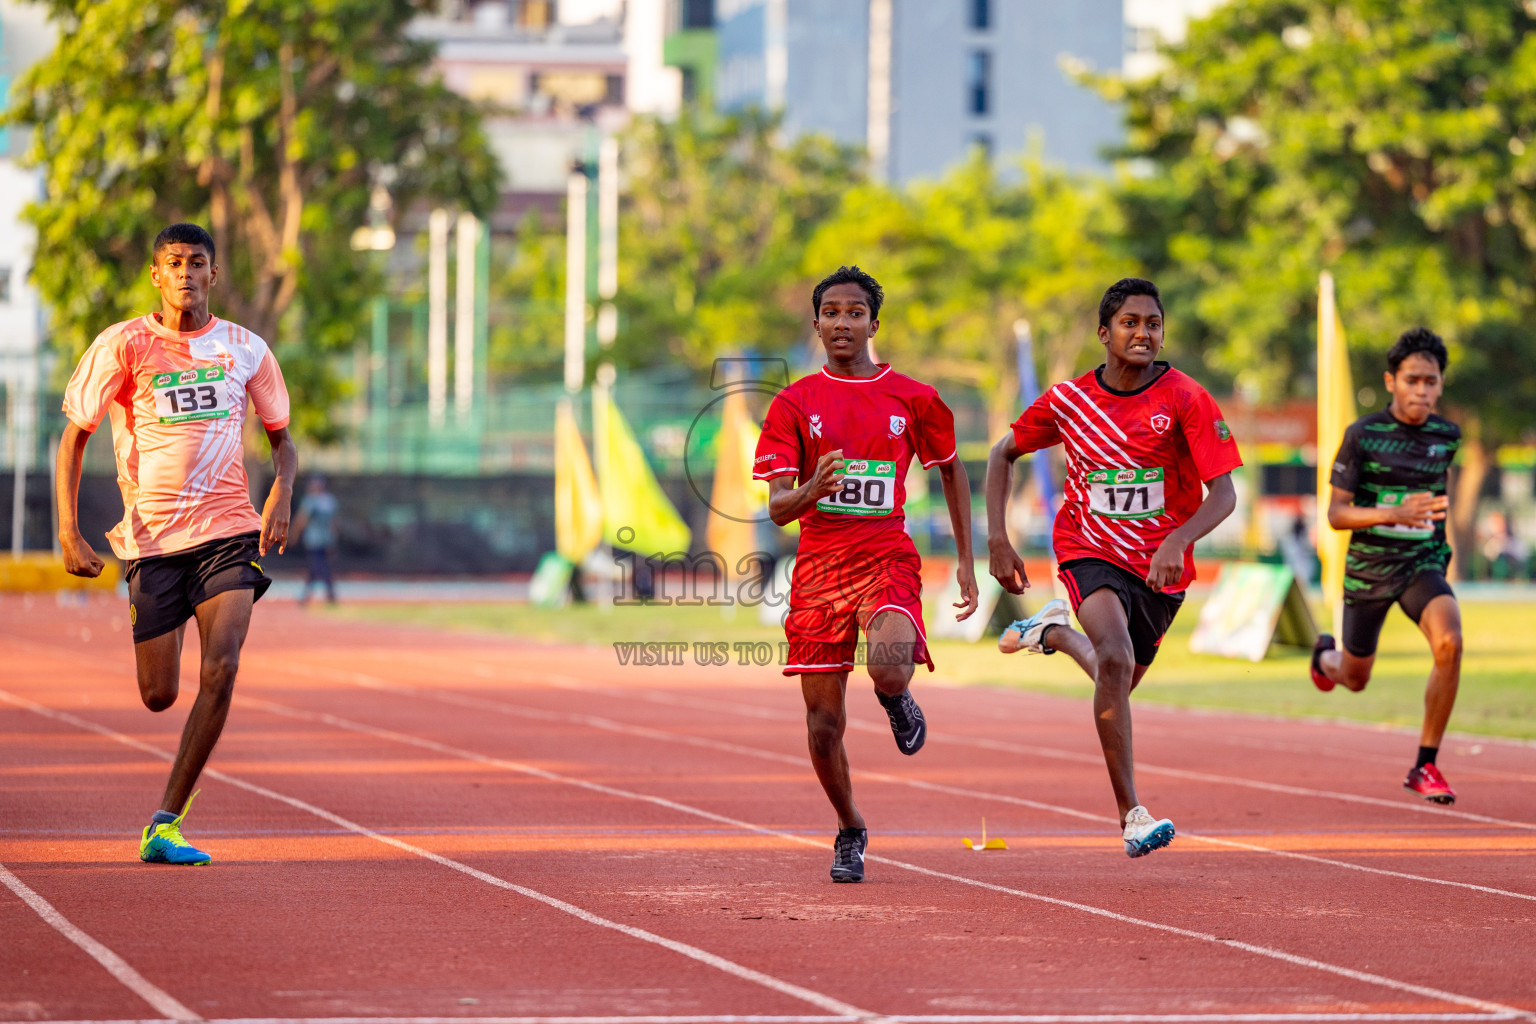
636,513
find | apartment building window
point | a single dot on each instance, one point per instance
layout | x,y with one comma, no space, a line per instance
981,15
979,84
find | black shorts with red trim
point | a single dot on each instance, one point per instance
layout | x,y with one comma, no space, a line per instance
832,598
1148,613
164,591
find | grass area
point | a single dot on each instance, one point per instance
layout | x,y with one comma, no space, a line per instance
1498,683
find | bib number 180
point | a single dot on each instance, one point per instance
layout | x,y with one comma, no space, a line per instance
869,489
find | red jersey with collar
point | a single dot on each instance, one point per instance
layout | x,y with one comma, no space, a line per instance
1135,463
880,423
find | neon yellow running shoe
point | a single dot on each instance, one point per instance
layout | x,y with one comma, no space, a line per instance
163,843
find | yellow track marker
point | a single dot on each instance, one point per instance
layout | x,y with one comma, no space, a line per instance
985,844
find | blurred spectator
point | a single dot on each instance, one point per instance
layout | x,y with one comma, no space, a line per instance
1504,552
1296,548
316,522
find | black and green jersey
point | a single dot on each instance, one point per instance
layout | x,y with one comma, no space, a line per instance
1381,460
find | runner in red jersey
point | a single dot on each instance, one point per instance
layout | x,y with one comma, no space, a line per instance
1140,439
849,433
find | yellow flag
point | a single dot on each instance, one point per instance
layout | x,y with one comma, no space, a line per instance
578,507
736,500
636,513
1335,412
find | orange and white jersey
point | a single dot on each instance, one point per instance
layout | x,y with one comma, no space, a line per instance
178,403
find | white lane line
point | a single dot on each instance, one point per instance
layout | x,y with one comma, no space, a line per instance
576,683
732,968
1207,937
453,698
114,964
954,1018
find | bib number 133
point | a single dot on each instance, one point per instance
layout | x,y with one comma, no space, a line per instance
869,489
186,395
1126,493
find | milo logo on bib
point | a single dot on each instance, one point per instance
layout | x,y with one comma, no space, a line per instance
869,489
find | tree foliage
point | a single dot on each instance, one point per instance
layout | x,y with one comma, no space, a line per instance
713,234
1390,141
269,121
963,258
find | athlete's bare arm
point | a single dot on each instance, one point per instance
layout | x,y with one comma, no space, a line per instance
786,502
1419,509
1004,562
957,495
79,558
275,513
1167,566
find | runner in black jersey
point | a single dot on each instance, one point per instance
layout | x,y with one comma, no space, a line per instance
1389,489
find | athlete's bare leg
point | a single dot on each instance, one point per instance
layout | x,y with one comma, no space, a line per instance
1441,626
1353,672
159,665
892,639
222,622
1103,618
826,718
1074,645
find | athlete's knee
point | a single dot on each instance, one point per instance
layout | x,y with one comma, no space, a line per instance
1117,667
218,675
157,698
1447,647
891,679
825,726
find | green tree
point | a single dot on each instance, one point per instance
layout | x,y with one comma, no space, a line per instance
270,121
963,258
1390,141
714,232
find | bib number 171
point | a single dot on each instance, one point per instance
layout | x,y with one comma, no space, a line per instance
1126,493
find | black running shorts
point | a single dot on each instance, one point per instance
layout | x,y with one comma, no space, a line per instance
1363,619
1148,612
164,591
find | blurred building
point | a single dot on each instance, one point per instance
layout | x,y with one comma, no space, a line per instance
25,38
919,83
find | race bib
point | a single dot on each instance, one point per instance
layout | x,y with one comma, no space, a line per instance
1391,498
186,395
1126,493
869,489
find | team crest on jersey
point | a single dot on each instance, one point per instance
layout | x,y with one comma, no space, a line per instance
815,424
898,424
1223,432
1161,421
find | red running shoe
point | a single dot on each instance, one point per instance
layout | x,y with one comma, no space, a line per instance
1427,781
1324,643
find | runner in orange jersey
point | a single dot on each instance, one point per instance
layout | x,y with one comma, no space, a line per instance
177,385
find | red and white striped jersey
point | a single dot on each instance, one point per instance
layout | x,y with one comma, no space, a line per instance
1135,463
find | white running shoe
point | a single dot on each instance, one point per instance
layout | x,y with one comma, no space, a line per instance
1026,634
1143,833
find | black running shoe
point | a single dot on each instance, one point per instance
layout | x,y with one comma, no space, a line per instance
848,855
906,721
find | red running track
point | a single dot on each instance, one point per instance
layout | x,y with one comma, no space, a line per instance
417,826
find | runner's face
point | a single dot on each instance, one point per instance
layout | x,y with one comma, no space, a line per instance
1135,333
1415,388
843,322
184,274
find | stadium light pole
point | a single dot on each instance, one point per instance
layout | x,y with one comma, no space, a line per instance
576,279
468,237
437,316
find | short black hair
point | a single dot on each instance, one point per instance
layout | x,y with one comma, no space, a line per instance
850,275
1421,340
186,234
1123,289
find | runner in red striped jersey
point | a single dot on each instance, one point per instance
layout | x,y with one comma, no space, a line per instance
1140,439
